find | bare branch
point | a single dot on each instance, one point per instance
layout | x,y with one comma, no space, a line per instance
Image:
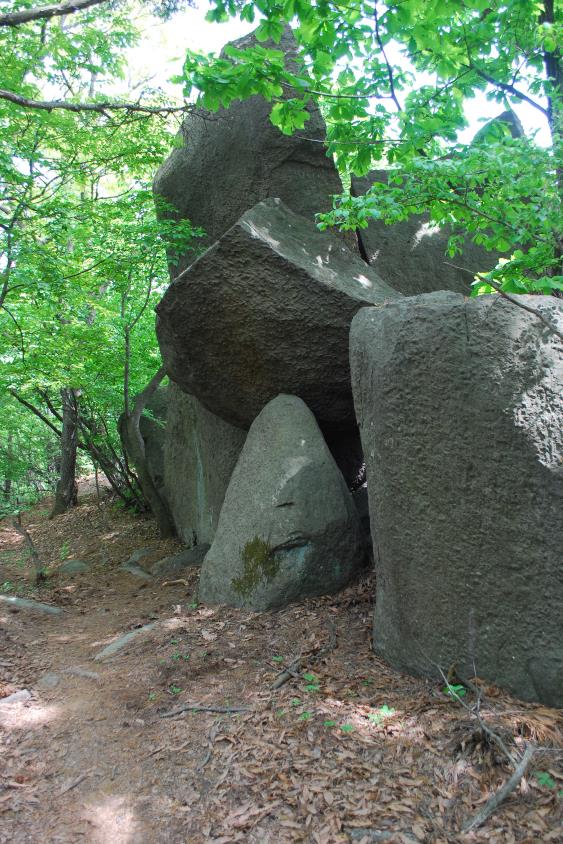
97,108
500,795
46,12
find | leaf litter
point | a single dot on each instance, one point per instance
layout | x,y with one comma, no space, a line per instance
345,749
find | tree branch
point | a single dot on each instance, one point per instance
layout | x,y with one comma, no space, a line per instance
46,12
35,411
97,108
508,297
503,792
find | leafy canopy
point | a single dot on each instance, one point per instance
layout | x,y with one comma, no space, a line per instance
392,79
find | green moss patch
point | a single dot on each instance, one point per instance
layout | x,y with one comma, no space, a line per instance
258,563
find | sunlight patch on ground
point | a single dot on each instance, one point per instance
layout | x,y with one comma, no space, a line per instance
23,716
113,821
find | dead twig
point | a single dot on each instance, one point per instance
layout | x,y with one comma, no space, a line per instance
175,582
195,707
494,802
75,783
293,669
211,739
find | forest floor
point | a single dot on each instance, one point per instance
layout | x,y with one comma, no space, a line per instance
347,750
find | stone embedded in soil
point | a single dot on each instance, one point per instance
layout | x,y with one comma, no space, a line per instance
17,697
119,644
50,680
26,604
177,563
74,567
136,570
138,555
82,672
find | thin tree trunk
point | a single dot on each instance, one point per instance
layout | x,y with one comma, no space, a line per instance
7,486
67,489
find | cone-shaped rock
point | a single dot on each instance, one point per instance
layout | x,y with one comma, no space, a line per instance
288,528
267,310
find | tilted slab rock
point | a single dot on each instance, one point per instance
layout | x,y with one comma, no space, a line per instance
460,408
32,606
233,158
288,528
200,454
411,255
267,310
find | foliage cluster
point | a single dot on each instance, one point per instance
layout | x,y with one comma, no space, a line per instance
392,79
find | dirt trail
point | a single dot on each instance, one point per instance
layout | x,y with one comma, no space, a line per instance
347,750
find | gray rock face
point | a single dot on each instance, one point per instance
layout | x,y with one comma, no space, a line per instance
267,310
177,563
411,256
74,567
152,426
236,157
288,528
460,409
200,454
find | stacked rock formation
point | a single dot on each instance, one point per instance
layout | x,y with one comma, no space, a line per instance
456,404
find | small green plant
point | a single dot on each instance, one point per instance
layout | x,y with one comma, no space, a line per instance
152,696
382,713
64,553
295,701
174,690
7,586
347,728
277,658
305,715
312,684
454,690
367,682
545,779
280,713
329,723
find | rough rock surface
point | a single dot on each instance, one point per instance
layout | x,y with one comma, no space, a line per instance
200,454
267,310
288,528
152,426
459,405
411,256
236,157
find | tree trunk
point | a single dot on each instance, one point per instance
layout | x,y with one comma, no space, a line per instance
7,485
67,488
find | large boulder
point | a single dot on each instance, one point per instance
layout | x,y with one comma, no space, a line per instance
288,528
266,310
234,158
460,407
411,255
199,456
152,426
